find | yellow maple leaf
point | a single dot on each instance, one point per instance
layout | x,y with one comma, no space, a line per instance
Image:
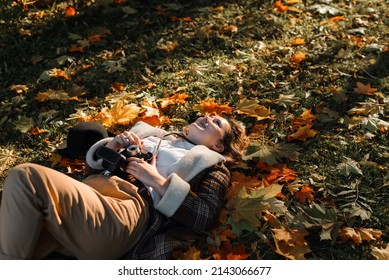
291,243
210,107
120,114
252,108
124,114
364,89
178,98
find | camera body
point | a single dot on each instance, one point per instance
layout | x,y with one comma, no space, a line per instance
116,162
134,151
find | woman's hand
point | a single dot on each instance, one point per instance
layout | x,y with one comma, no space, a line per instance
147,173
123,140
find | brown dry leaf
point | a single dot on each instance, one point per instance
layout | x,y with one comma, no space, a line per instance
210,107
364,89
55,72
95,38
19,89
175,99
273,221
192,254
239,181
252,108
231,28
291,243
76,48
359,235
36,131
169,46
380,253
117,87
57,95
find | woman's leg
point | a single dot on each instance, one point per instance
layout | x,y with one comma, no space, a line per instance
45,207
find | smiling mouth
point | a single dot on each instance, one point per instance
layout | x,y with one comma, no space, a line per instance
202,123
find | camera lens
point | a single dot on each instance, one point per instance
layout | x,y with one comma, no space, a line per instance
133,150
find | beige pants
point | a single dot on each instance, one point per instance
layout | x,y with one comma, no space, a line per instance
43,211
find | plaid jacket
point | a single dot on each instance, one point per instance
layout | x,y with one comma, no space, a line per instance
197,213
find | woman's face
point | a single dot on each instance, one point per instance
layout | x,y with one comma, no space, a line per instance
208,131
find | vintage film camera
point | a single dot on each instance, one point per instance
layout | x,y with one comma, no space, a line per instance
116,162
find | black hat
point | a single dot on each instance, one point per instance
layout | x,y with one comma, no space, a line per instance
80,138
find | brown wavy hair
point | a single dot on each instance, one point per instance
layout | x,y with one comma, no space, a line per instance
235,141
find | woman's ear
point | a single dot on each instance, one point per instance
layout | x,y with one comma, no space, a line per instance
218,147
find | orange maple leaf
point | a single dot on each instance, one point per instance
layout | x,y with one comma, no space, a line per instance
302,133
337,18
59,73
296,59
73,165
280,7
305,194
279,173
364,89
94,38
117,87
291,243
227,251
154,120
298,41
36,131
210,107
178,98
70,11
76,48
305,118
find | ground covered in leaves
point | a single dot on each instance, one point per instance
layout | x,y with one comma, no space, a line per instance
309,79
